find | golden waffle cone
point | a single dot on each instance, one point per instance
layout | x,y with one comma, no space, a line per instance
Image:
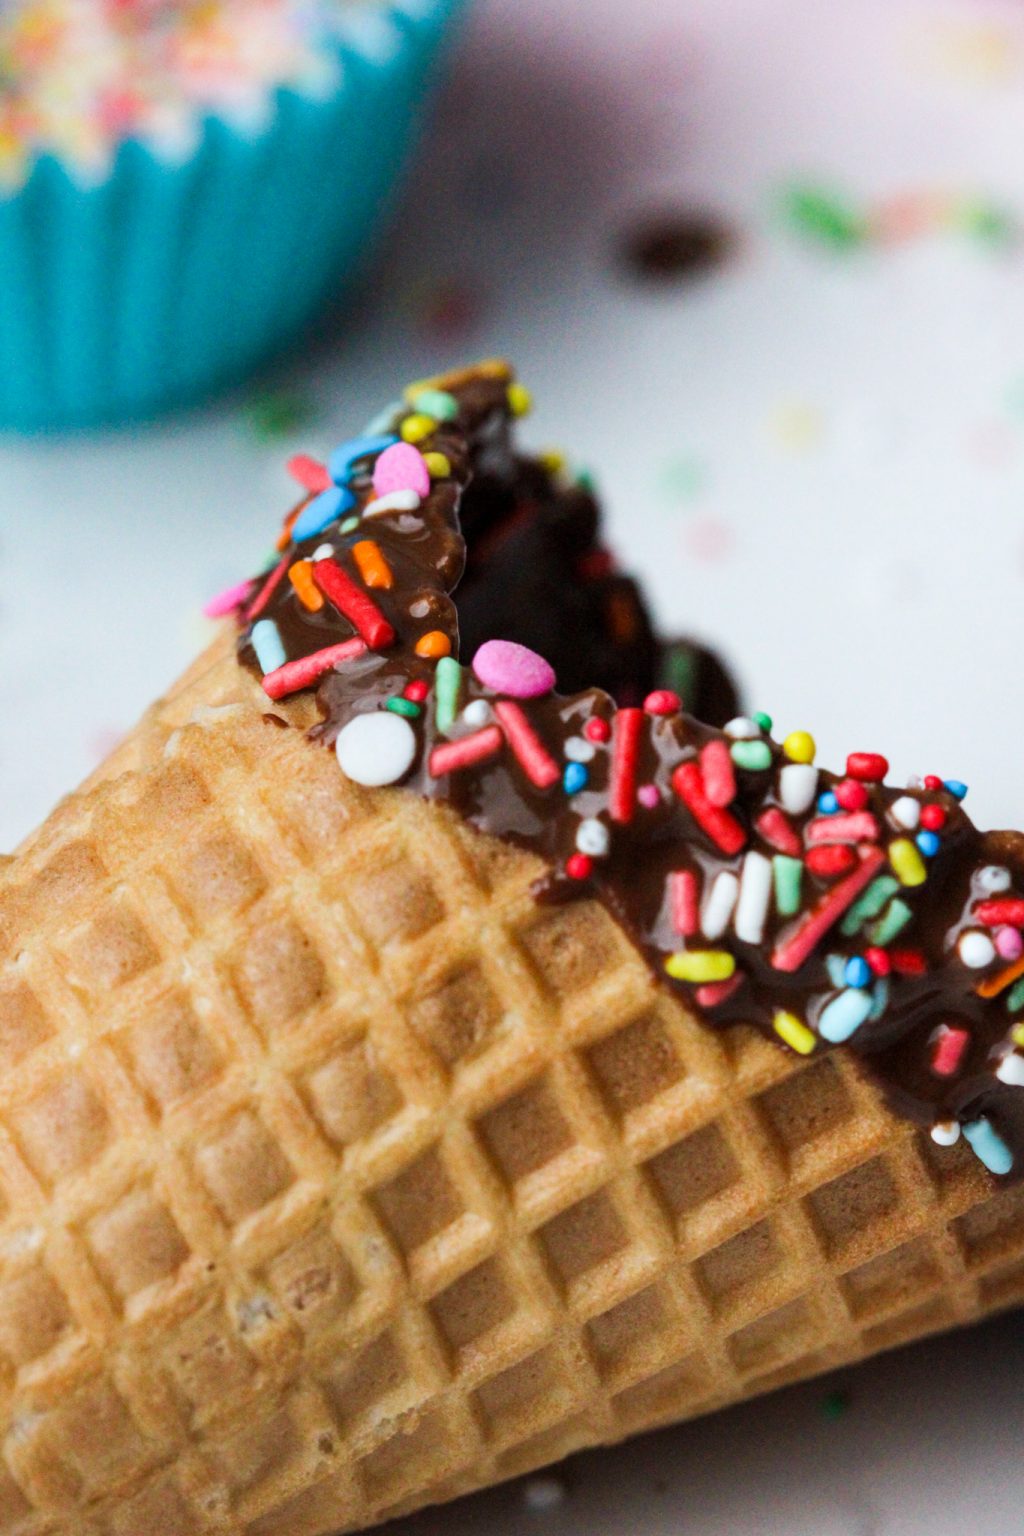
338,1177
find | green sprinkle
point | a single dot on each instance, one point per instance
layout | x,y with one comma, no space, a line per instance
788,874
896,918
1016,997
752,755
437,403
404,707
870,904
349,525
586,481
277,414
824,217
764,721
447,683
990,225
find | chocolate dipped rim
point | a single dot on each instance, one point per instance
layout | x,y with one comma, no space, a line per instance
826,910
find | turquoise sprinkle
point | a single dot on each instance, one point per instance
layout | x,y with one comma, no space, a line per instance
340,463
881,1002
844,1015
383,423
989,1146
870,904
788,874
752,755
349,525
447,683
574,778
857,972
437,403
957,788
404,707
929,843
764,721
828,805
266,642
895,919
836,967
1016,997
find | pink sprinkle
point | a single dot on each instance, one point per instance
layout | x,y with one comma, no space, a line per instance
401,468
684,902
228,601
1009,943
714,992
856,827
719,775
948,1050
649,796
513,669
310,473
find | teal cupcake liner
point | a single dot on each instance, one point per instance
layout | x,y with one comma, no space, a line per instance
170,281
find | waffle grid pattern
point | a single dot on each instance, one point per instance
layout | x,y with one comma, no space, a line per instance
337,1177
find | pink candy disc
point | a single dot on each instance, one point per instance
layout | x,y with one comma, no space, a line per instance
513,670
1009,944
648,796
401,468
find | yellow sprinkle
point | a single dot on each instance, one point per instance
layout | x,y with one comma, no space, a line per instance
700,965
553,460
800,747
794,1032
520,401
438,465
907,862
1017,1035
415,428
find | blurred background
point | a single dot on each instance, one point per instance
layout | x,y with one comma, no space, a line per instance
762,264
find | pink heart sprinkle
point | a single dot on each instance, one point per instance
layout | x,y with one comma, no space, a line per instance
513,670
401,468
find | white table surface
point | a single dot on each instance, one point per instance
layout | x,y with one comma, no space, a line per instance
815,457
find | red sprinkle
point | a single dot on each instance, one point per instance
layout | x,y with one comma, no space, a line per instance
851,795
933,817
310,473
531,754
662,702
720,825
357,606
625,759
948,1051
933,782
778,832
859,826
305,671
270,586
832,859
999,910
597,729
718,773
803,935
453,755
879,961
714,992
908,962
579,866
872,767
416,691
684,902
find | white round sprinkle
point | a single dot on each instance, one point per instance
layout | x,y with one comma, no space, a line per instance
976,949
906,812
323,552
542,1493
1011,1070
579,750
742,729
592,837
946,1133
993,878
376,749
394,501
798,785
477,713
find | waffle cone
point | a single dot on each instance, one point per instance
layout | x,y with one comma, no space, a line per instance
339,1177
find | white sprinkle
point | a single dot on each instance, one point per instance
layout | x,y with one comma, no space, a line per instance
718,907
742,729
266,642
755,894
798,785
542,1493
976,949
394,501
946,1133
1011,1070
592,837
323,552
376,749
994,877
579,750
478,712
906,812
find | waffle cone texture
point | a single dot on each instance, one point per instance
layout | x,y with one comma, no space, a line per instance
338,1177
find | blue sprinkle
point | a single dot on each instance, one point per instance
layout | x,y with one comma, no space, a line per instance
988,1146
574,778
956,788
828,805
340,463
322,510
844,1015
929,843
266,642
857,973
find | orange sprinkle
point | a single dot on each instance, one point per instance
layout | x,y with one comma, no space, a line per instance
434,644
284,537
301,577
373,567
993,985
